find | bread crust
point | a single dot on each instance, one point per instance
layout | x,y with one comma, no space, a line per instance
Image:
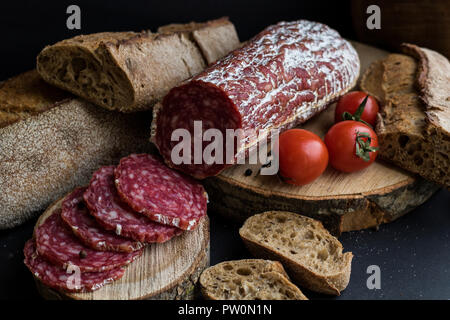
129,71
433,82
25,95
46,155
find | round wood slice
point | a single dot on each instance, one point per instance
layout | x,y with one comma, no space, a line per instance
166,271
342,201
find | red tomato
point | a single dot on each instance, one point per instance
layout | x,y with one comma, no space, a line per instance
341,141
303,156
350,103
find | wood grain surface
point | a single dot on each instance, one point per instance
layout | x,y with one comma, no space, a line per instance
167,270
344,202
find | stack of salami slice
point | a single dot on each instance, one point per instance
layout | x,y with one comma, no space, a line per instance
87,241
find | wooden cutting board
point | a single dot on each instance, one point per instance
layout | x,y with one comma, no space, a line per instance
380,193
165,271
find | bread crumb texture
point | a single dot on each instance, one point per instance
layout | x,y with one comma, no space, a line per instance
313,257
249,279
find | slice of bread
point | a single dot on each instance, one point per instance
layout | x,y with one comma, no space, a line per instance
249,279
413,125
129,71
311,255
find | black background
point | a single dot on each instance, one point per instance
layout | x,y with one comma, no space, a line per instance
413,252
28,26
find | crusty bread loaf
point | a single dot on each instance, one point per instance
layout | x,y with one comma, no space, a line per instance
311,255
18,102
249,279
215,38
45,155
414,122
130,71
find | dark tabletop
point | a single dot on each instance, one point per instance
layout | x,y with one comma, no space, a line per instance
413,254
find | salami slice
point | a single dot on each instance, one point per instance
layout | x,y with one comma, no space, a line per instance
160,193
76,215
60,279
282,77
57,243
113,214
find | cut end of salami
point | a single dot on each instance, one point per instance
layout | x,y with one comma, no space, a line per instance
114,214
67,280
161,194
56,243
76,215
212,109
282,77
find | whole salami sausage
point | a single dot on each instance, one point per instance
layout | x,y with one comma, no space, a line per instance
282,77
56,243
114,214
76,215
160,193
60,279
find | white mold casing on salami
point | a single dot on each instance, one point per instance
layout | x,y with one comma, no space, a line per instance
279,79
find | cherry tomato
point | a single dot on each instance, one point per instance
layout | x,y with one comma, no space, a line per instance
350,103
348,146
303,156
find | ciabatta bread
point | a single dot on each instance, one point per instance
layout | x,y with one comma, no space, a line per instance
311,255
129,71
414,121
249,279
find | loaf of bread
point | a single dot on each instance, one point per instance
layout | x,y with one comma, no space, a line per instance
248,279
130,71
18,102
413,125
311,255
56,145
